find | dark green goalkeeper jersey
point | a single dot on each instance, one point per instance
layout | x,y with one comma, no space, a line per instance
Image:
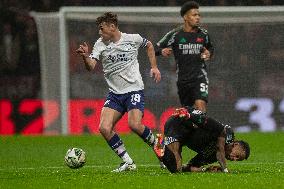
187,48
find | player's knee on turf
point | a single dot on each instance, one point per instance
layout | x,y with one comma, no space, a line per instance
170,161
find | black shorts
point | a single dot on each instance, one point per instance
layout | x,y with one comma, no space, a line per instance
189,92
184,132
177,130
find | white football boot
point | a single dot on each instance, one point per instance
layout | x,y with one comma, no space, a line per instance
125,167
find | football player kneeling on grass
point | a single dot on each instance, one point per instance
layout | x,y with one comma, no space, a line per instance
213,142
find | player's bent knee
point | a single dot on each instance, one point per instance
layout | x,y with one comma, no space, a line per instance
105,129
135,125
170,161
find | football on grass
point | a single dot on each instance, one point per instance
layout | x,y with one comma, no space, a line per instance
75,158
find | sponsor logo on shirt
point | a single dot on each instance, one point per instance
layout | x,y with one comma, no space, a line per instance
190,48
118,58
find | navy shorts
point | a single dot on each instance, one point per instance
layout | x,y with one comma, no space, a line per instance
126,102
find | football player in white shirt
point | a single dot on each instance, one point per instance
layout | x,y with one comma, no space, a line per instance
118,53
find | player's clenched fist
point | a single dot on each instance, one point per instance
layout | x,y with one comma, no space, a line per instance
167,52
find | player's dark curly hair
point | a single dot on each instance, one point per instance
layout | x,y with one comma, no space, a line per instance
187,6
107,17
245,146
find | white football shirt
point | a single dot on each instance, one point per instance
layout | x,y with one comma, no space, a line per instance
120,63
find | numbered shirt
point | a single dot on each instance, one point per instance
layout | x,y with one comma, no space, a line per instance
120,63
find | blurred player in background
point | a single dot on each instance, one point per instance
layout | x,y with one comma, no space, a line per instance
213,142
191,47
118,53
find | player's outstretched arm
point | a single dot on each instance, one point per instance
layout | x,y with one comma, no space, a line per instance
220,155
152,58
83,51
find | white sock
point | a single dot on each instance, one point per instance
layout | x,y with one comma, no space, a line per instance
126,158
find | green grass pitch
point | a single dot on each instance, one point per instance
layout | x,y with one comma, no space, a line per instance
38,162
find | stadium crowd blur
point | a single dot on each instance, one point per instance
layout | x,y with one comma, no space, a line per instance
19,49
